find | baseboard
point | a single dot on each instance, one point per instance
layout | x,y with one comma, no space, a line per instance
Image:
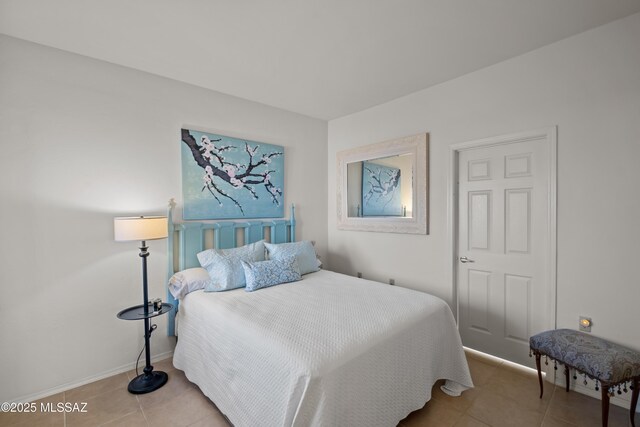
623,400
87,380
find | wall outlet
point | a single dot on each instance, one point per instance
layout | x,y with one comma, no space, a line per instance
392,282
585,323
359,275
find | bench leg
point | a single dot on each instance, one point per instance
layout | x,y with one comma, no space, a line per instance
566,376
634,400
538,355
605,405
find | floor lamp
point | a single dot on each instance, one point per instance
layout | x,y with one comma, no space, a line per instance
143,228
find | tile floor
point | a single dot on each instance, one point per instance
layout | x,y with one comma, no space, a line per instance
503,396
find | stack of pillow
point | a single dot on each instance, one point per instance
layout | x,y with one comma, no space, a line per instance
253,266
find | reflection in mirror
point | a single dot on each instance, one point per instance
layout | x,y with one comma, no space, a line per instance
380,187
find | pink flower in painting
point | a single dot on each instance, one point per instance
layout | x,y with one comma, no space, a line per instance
252,151
236,182
208,146
230,170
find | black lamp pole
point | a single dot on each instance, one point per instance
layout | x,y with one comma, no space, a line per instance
149,380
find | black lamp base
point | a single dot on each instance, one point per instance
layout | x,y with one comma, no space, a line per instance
146,383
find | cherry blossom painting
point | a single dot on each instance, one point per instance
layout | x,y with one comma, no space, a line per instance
225,177
380,190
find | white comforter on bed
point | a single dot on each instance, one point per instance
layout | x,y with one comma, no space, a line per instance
329,350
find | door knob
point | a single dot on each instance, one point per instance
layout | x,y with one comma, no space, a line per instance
464,259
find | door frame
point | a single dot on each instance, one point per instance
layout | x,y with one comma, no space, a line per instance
545,135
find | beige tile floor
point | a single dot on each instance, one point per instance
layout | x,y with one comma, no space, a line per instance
503,396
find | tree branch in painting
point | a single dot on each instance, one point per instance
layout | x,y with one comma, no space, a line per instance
238,176
382,186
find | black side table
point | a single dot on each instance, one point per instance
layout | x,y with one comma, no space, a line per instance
150,380
137,312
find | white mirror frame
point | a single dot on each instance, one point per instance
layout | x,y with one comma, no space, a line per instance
417,224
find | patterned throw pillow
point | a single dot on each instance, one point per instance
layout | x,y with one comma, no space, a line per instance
303,251
263,274
225,265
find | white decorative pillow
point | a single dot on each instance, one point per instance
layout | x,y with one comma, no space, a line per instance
225,265
263,274
303,251
189,280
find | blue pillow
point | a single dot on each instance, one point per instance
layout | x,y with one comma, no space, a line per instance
225,265
263,274
303,251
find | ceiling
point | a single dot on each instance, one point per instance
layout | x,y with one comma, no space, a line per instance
323,58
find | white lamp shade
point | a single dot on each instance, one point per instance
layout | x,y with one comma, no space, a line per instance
140,228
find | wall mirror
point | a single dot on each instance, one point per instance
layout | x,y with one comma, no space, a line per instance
383,187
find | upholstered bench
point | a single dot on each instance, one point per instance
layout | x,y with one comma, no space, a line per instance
612,366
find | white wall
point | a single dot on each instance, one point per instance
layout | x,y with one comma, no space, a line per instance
83,141
587,85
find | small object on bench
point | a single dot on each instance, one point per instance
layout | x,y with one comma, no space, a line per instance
610,365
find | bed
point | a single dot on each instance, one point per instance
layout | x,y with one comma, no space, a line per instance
329,349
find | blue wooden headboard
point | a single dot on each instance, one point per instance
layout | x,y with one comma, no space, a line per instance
186,239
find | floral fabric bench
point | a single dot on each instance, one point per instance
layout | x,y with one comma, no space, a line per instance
610,365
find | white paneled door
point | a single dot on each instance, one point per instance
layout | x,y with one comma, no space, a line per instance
503,265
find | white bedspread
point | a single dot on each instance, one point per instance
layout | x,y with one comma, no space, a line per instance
330,350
